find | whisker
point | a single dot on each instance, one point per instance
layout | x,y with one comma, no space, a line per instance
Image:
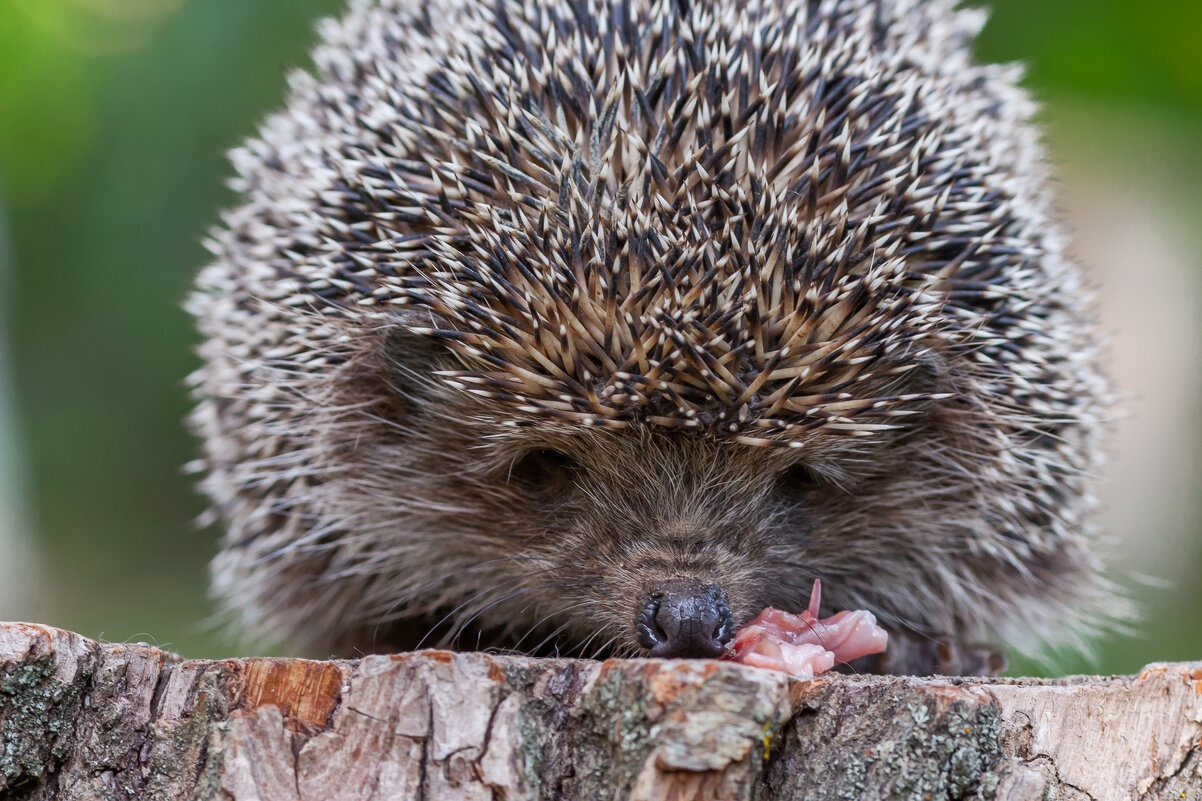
449,615
517,645
459,627
551,636
605,646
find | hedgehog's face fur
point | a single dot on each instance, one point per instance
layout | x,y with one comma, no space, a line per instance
568,535
568,532
536,307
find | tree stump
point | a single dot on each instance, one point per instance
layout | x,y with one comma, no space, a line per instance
83,720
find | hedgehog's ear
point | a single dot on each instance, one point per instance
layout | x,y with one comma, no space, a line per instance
411,356
924,374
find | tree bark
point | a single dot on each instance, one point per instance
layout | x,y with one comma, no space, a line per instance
82,720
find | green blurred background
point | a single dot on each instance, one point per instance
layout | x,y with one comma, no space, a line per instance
114,117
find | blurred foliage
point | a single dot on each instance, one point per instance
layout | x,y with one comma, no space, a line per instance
114,116
1111,51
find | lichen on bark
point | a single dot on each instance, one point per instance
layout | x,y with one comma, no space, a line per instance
38,713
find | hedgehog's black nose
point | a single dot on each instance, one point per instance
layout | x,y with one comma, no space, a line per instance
685,619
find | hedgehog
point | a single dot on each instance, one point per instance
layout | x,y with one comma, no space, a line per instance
594,327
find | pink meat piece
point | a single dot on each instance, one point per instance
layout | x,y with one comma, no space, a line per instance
805,645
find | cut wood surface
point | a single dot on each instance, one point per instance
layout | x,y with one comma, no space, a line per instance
83,720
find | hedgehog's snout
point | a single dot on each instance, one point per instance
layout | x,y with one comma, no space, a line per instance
684,619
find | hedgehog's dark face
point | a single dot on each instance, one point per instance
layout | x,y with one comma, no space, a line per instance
662,543
656,542
637,540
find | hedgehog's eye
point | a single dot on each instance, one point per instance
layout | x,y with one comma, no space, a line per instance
798,478
546,472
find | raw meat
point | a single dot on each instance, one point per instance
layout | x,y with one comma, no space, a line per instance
806,645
